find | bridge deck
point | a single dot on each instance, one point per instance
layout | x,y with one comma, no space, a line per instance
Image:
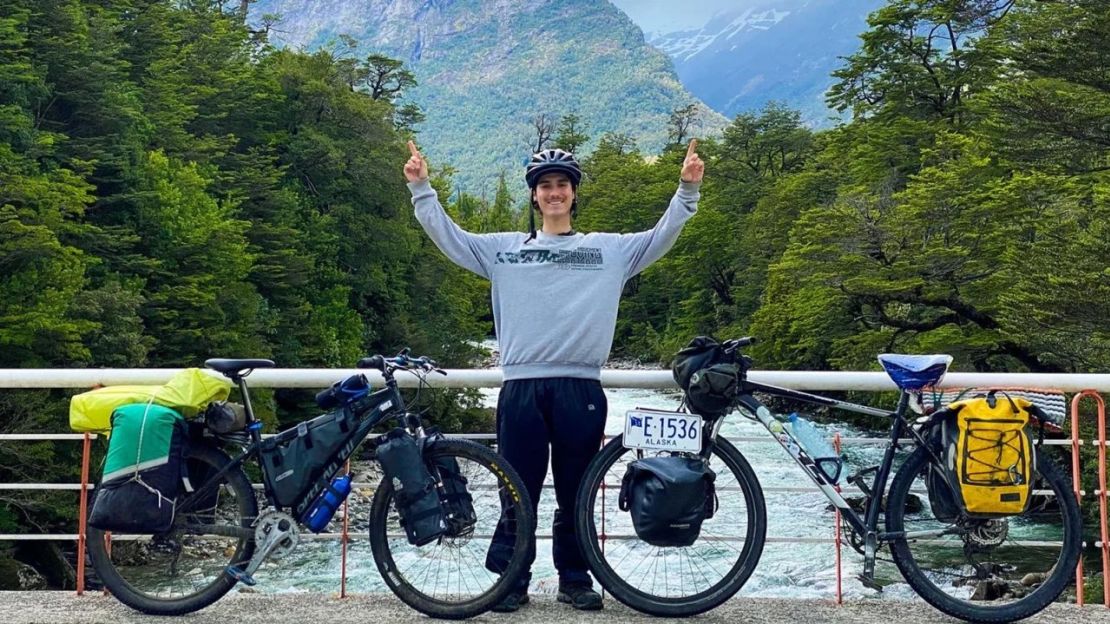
66,608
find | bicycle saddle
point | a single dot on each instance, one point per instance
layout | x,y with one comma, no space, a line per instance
914,372
232,366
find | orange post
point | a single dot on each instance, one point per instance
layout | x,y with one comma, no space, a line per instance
1104,533
83,515
839,571
343,541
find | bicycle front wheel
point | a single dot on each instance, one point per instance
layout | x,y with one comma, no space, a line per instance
672,581
995,570
184,569
448,578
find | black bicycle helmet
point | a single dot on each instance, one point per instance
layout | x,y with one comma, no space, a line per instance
552,161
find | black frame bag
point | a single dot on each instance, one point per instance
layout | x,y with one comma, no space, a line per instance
296,458
668,498
414,488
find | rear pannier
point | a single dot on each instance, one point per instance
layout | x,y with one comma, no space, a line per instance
143,470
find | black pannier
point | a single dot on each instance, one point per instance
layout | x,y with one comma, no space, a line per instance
942,491
295,458
458,504
143,471
668,498
414,488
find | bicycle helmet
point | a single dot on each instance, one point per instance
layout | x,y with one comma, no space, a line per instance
552,161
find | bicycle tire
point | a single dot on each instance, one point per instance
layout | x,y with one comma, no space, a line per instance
623,589
493,484
131,577
1055,581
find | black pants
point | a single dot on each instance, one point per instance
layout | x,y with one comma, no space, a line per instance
561,418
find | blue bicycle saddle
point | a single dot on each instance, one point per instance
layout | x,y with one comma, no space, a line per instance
914,372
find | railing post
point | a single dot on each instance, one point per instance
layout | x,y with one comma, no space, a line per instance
836,524
83,515
1104,535
343,540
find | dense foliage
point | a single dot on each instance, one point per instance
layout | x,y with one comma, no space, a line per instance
173,188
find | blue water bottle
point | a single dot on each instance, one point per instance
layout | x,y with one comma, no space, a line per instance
320,513
817,446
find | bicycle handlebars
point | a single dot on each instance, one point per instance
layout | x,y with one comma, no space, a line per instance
401,361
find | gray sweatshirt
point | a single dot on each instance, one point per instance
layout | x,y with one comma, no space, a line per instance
554,298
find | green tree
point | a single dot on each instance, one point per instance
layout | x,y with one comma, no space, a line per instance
571,133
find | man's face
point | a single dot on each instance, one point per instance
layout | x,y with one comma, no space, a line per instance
554,194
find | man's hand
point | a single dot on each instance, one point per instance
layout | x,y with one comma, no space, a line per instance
692,167
416,169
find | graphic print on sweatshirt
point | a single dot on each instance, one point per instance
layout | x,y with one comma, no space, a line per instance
580,259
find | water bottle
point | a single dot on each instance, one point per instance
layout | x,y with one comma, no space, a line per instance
824,456
320,513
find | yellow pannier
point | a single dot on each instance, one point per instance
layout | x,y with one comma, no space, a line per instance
994,461
187,392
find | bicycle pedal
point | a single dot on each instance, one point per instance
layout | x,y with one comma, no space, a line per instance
868,581
241,576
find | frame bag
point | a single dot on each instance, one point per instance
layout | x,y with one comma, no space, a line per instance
668,498
295,458
143,470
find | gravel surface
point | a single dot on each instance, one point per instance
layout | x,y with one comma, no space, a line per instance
65,607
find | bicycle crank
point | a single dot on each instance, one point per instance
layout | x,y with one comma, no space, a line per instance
277,535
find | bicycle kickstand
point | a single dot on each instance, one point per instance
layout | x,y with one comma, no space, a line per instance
870,551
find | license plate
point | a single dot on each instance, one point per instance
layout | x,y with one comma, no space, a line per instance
662,431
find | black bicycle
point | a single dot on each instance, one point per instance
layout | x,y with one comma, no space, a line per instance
220,537
980,569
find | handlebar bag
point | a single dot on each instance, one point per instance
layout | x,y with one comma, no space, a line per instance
415,494
668,498
297,457
142,472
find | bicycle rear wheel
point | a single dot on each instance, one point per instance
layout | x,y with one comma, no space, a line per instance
448,578
184,569
996,570
672,581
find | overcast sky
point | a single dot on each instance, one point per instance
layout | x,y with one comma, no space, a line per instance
671,15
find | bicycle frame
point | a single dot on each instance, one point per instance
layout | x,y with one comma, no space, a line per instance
866,525
371,410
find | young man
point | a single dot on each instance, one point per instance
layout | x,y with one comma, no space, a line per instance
555,296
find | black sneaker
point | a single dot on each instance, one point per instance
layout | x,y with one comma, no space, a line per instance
580,596
511,603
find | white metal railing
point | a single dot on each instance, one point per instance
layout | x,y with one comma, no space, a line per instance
1085,385
491,378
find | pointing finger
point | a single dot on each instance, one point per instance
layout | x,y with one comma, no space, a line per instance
412,149
690,150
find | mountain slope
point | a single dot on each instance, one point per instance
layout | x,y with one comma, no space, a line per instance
486,67
781,50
